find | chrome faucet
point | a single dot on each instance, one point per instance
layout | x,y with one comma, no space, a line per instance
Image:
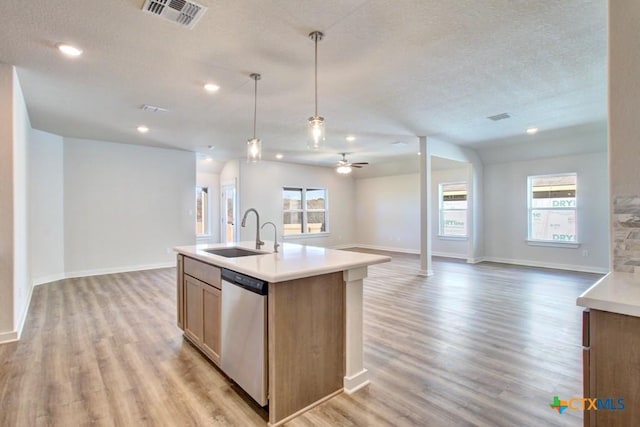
259,242
275,236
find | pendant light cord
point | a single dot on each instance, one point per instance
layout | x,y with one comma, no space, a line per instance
316,72
255,105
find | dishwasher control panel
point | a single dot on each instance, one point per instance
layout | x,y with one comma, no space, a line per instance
250,283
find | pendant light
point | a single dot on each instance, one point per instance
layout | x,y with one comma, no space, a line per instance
316,123
254,145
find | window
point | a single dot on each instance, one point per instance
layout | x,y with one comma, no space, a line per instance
202,211
552,208
453,209
304,210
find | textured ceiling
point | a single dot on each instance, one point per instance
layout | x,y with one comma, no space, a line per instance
388,71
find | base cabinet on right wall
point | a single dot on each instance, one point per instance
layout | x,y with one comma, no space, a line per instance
611,358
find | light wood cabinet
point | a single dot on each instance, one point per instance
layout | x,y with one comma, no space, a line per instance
611,359
202,306
180,290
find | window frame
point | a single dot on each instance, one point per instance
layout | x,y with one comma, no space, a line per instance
551,243
206,214
305,211
441,210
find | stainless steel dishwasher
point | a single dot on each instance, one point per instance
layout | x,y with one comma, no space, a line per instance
244,333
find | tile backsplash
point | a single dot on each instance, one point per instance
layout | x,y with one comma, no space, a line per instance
626,233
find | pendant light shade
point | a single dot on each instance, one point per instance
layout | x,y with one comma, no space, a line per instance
316,123
254,145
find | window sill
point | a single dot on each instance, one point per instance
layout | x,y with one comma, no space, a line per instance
304,235
459,238
554,244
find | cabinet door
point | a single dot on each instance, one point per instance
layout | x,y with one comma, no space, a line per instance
211,322
193,309
180,291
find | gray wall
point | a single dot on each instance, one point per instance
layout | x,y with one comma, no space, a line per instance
505,190
125,206
388,213
46,208
261,188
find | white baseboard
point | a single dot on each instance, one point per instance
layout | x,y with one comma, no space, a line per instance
448,255
528,263
23,318
100,271
387,249
48,279
7,337
476,260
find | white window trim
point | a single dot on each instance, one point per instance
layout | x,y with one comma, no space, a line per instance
207,232
304,211
442,236
554,244
550,243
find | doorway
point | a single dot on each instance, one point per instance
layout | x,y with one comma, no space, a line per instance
228,226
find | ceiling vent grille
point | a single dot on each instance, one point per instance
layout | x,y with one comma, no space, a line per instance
499,117
182,12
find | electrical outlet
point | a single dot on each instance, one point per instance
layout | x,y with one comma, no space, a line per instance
585,252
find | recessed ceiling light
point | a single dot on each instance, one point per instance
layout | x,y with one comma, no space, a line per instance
532,130
143,129
69,50
279,156
419,153
350,138
209,159
211,87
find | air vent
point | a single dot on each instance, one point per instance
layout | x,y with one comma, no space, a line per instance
182,12
153,108
499,117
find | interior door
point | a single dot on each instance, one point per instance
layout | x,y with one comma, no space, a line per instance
228,227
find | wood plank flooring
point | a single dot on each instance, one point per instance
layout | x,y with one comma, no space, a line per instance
486,345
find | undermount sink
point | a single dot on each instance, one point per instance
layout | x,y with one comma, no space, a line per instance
233,252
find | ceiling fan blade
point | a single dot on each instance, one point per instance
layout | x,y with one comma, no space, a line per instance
360,163
355,165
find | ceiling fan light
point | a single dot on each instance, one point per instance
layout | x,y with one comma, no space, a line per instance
316,132
254,150
343,169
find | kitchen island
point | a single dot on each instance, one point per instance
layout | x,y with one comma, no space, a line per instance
611,350
313,317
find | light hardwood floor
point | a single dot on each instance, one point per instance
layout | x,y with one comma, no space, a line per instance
486,345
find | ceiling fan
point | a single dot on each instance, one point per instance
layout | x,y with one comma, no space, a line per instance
345,166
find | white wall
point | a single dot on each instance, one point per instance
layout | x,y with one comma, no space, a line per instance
21,133
261,188
212,182
125,206
46,209
505,190
442,246
15,285
388,213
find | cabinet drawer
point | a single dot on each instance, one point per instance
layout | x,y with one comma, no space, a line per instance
202,271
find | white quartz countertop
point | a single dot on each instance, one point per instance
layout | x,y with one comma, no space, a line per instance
616,292
291,262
